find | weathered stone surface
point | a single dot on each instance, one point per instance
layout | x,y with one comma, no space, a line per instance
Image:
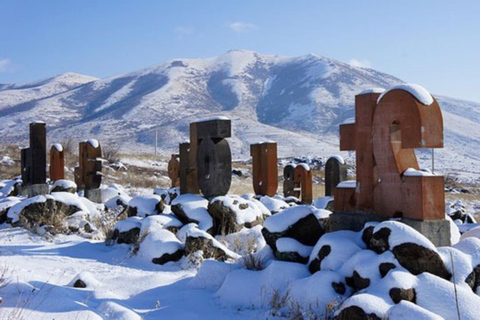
367,235
356,313
399,294
306,231
385,267
79,284
198,243
339,287
417,259
379,241
225,219
357,282
290,256
473,279
167,257
315,264
128,237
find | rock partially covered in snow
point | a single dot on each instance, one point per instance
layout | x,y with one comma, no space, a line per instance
193,208
64,186
10,188
128,230
5,205
274,205
412,250
84,280
231,213
168,195
159,222
144,206
199,240
160,247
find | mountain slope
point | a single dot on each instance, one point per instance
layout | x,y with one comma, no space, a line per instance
297,101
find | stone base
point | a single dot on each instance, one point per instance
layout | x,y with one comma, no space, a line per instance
37,189
94,195
437,231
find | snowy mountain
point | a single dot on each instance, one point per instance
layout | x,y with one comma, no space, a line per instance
297,101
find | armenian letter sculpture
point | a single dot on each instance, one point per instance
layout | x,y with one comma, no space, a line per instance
88,175
57,162
34,161
389,182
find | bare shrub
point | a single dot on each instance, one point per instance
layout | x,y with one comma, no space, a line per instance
105,223
111,152
253,262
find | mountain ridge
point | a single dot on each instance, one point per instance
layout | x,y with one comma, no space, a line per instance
269,97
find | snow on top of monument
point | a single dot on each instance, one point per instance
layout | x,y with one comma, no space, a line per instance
347,184
211,119
304,166
411,172
250,213
128,224
38,122
58,146
292,245
146,205
264,141
402,233
372,90
93,142
284,219
419,92
195,207
338,158
158,243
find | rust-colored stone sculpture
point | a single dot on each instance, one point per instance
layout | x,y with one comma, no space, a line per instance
174,170
290,187
88,175
384,137
57,162
264,168
303,177
34,158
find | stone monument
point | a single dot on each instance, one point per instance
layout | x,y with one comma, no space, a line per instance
389,181
88,174
174,170
335,172
290,187
264,168
34,161
303,177
57,162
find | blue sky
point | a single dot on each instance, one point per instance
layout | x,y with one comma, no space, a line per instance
432,43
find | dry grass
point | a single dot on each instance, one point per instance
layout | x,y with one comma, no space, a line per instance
253,262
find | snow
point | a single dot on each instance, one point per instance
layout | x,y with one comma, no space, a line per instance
369,303
146,205
321,203
411,172
157,243
283,220
158,222
212,274
93,142
273,205
211,119
304,166
347,184
128,224
58,147
338,158
419,92
408,310
64,184
257,287
292,245
7,161
195,207
372,90
402,233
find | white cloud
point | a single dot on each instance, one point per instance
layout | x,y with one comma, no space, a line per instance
183,30
242,27
360,63
5,65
